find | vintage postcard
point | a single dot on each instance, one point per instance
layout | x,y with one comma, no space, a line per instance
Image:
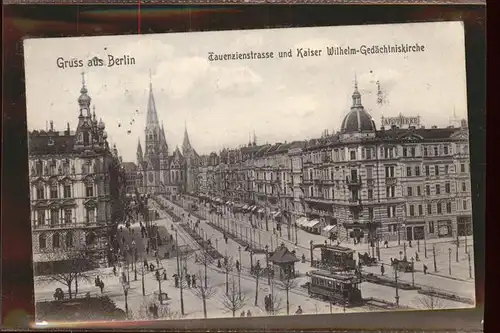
250,173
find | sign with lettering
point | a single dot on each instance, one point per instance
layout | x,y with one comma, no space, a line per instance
401,121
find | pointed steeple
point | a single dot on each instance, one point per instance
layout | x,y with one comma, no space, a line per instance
254,139
140,156
152,116
186,145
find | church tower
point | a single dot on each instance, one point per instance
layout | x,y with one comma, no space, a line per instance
153,146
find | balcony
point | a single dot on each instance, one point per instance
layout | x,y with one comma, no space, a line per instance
63,226
353,181
391,181
318,199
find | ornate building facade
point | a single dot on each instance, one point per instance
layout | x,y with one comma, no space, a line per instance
409,182
159,172
77,187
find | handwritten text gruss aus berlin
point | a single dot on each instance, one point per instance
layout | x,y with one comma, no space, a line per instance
306,52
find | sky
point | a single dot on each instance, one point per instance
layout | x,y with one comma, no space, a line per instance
223,102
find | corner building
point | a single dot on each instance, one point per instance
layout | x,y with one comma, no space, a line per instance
414,182
77,187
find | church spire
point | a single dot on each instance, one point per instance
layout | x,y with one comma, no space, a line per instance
152,116
140,156
186,145
356,96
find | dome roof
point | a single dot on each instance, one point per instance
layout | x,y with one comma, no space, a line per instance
358,119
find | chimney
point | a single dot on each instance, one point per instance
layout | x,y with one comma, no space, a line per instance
51,126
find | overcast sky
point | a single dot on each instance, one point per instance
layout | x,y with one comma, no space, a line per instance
281,99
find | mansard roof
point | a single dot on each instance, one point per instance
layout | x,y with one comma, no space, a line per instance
50,142
432,134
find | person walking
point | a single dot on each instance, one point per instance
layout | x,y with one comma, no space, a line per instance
425,269
242,313
382,269
299,311
249,314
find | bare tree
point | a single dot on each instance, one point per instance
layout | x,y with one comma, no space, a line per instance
204,259
143,271
204,290
276,304
232,301
144,311
228,267
69,267
431,302
257,272
287,283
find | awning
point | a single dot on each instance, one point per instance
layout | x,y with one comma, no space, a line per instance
312,223
301,221
254,208
328,228
260,210
245,207
276,214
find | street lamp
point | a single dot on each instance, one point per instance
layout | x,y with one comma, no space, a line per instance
239,271
397,286
413,272
449,261
296,234
267,265
126,287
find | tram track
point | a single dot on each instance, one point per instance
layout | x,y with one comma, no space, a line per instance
370,303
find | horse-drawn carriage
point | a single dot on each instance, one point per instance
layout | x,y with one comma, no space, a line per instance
402,265
366,260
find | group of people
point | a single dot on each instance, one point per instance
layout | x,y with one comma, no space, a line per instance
190,280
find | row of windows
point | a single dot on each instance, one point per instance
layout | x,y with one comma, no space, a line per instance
66,193
67,216
90,239
64,168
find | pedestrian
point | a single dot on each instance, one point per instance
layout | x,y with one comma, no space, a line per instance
249,314
165,275
299,311
114,270
147,250
382,269
176,281
242,313
101,286
146,263
416,257
425,269
386,244
188,280
409,243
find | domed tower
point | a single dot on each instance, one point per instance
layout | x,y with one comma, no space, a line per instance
358,123
83,135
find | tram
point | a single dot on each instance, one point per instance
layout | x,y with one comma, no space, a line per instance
335,287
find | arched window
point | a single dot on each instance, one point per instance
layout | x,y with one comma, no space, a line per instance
42,241
90,238
69,239
40,191
53,190
56,241
89,188
39,168
86,138
66,168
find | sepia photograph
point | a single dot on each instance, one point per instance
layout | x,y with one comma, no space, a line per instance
292,171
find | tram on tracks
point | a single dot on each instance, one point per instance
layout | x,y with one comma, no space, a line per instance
333,257
338,288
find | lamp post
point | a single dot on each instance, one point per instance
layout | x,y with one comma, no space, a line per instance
449,260
413,272
179,273
470,266
239,272
126,287
296,234
397,286
267,265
